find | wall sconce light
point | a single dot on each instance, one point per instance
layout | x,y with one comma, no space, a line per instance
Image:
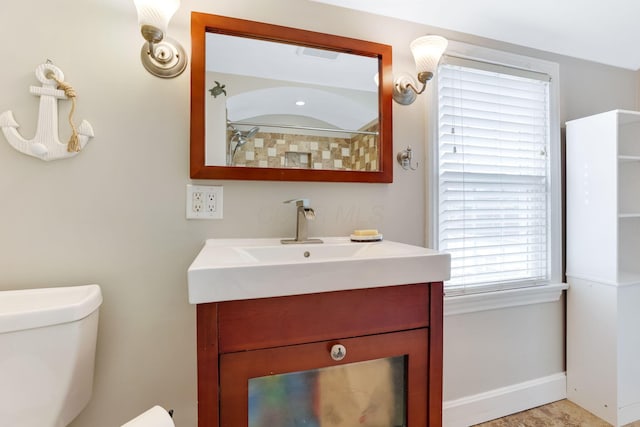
161,55
426,51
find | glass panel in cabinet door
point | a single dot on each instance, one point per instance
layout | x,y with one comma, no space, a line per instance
379,381
367,394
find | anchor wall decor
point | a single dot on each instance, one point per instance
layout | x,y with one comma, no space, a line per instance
45,144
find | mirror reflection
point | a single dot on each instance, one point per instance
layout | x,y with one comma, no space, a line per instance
277,103
280,105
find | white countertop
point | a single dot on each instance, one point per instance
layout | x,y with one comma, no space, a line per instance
236,269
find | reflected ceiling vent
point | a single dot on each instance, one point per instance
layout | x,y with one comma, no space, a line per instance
318,53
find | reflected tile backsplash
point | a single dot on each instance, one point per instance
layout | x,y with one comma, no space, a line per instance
280,150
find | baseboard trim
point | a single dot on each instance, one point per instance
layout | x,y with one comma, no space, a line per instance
503,401
628,414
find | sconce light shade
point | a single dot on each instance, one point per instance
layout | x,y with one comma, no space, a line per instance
156,13
426,51
161,55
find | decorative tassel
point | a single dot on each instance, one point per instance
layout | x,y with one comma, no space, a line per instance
73,146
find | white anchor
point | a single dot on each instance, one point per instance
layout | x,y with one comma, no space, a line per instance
45,144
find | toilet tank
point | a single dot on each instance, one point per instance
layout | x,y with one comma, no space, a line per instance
47,353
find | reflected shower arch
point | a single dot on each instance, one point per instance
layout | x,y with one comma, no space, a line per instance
345,113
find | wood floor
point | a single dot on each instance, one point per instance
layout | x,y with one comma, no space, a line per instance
557,414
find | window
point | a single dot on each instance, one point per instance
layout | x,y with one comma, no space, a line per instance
497,199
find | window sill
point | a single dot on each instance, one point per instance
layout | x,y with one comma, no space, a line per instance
462,304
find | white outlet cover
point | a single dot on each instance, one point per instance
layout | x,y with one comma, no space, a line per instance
204,202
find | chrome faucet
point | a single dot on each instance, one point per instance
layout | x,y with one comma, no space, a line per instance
304,214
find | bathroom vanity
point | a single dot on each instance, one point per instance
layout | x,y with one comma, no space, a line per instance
347,349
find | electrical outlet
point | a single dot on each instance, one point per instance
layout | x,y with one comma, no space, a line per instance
204,202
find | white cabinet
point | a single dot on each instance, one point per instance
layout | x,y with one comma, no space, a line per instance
603,265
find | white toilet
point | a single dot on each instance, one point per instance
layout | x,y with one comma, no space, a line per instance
47,353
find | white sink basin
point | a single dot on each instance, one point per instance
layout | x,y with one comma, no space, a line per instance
235,269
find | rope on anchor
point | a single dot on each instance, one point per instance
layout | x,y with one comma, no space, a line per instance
74,141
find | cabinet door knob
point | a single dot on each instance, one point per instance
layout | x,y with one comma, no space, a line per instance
338,352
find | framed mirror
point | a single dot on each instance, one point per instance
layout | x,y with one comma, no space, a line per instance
277,103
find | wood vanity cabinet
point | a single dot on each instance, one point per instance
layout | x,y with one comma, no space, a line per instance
239,340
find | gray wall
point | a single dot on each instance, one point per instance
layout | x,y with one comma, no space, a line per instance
114,215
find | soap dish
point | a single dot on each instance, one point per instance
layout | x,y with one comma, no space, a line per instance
370,238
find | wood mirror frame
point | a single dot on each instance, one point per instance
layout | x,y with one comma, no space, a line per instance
202,23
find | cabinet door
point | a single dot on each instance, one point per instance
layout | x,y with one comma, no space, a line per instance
381,381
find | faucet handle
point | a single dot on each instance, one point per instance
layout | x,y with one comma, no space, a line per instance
299,202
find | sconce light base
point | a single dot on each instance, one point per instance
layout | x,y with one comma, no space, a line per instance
165,59
402,90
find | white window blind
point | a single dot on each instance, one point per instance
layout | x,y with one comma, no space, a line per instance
493,175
